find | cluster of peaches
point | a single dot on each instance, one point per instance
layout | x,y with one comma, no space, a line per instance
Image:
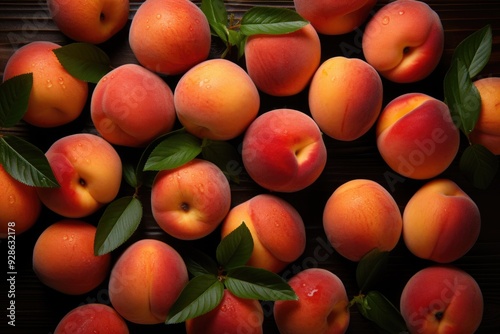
283,151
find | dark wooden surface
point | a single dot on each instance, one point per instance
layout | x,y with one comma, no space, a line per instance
38,308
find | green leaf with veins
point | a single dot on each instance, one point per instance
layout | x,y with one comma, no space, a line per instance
475,50
479,165
217,17
271,20
199,263
370,269
14,97
236,248
173,151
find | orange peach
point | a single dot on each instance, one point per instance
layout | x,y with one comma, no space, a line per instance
92,318
442,299
441,222
64,260
404,41
169,36
277,230
416,136
283,150
216,99
345,97
146,281
56,98
360,216
322,307
283,65
89,172
131,106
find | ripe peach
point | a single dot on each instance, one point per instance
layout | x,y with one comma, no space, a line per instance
92,318
322,307
232,316
169,36
277,230
283,150
146,281
57,98
360,216
487,129
20,205
64,260
404,41
416,136
91,22
131,106
345,97
216,99
441,222
89,172
334,17
442,299
283,65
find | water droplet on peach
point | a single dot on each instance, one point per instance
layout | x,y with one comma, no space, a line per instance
386,20
401,12
158,16
49,83
12,199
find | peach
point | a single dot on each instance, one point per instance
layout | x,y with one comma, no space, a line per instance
277,230
20,205
334,17
345,97
442,299
92,22
216,99
56,98
441,222
131,106
169,36
322,307
487,129
233,315
283,64
404,41
416,136
64,260
189,202
92,318
89,172
146,281
360,216
283,150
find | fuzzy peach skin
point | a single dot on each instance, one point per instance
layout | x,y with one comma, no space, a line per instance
283,65
92,318
277,230
89,21
442,299
56,98
404,41
283,150
345,97
64,260
441,222
487,129
216,99
322,307
360,216
416,136
146,281
190,202
169,36
334,17
89,173
232,316
20,205
131,106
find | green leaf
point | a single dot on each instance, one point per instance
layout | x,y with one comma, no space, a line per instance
257,283
199,263
84,61
370,269
26,163
174,151
236,248
225,156
475,50
271,20
479,165
216,14
202,294
14,97
117,224
130,175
